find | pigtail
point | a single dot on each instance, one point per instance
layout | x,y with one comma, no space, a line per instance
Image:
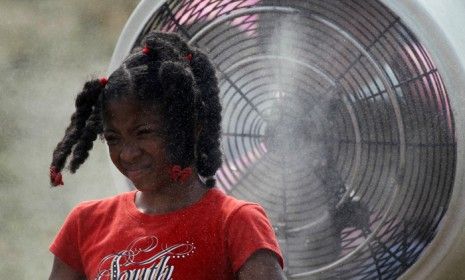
85,101
190,89
209,157
85,143
179,94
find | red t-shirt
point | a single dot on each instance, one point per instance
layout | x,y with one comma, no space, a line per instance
211,239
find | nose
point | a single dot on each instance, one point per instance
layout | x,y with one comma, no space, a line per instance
129,152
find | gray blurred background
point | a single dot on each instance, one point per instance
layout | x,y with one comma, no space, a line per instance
48,49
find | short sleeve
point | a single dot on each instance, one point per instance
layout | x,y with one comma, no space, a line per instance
248,230
65,245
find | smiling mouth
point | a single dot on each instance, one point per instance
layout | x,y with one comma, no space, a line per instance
135,173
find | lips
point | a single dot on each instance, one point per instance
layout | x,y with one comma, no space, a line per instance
136,173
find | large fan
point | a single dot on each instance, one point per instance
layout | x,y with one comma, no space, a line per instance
335,118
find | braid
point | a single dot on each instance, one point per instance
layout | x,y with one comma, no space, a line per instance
179,94
208,145
85,142
85,100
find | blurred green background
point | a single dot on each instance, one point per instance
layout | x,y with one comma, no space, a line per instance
48,49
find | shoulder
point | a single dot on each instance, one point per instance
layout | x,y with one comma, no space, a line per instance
231,207
235,211
246,230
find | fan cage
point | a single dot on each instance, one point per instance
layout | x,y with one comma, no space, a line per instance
359,189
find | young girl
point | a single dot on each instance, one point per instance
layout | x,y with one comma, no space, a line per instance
160,115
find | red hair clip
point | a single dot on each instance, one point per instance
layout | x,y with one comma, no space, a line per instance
55,176
188,57
179,174
146,49
103,81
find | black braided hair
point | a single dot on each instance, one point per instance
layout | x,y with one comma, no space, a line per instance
85,102
173,77
209,156
85,143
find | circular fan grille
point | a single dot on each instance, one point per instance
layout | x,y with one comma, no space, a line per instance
336,120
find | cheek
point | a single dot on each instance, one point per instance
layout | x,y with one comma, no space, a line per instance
156,148
114,155
163,157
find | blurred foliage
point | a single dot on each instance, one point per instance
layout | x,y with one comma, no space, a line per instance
47,51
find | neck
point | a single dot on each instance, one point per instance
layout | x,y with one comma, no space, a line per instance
172,198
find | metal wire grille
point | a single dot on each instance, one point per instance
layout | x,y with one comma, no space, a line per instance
335,120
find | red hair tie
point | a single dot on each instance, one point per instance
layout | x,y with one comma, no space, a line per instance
146,50
103,81
188,57
179,174
55,176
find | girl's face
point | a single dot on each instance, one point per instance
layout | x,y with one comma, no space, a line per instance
133,134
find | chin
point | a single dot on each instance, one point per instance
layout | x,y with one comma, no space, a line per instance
148,187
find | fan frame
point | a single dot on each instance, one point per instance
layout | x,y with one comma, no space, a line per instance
436,24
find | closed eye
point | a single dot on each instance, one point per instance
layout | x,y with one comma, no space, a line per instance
111,139
145,131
